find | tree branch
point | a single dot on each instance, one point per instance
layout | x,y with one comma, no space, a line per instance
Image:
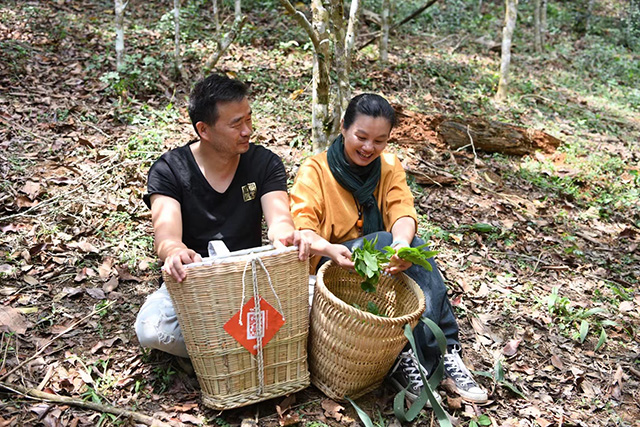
404,21
303,21
49,397
224,44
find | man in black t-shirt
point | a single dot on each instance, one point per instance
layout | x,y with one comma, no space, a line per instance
217,188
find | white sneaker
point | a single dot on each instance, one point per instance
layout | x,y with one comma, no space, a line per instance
464,383
405,375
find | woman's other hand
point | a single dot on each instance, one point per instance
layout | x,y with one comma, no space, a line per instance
397,264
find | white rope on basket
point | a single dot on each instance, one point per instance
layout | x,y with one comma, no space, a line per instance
258,313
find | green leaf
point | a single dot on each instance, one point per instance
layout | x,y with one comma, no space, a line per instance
482,227
371,261
602,339
472,423
551,302
484,420
513,388
367,286
609,323
498,371
584,330
592,311
484,374
417,256
373,308
363,415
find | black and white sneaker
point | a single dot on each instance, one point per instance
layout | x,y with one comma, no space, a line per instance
464,383
405,375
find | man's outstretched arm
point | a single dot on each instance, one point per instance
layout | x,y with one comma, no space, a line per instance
282,232
167,227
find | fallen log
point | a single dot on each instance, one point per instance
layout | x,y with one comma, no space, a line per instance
495,137
474,133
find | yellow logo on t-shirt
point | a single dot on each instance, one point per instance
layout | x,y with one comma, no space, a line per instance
249,191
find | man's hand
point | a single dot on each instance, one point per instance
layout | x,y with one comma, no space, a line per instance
174,263
295,238
340,255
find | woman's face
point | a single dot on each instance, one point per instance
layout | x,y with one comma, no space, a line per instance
365,139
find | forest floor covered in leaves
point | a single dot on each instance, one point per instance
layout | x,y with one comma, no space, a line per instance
548,294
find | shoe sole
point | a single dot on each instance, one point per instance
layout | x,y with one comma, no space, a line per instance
471,399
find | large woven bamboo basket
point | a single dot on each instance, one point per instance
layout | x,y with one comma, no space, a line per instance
350,350
229,375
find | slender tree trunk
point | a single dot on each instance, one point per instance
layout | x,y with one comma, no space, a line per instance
216,19
340,63
537,26
543,18
343,49
238,10
223,43
321,123
587,20
511,14
633,25
384,38
176,19
119,10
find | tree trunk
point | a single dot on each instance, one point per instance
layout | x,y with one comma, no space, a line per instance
633,25
495,137
543,18
238,10
321,122
442,132
216,19
413,14
324,120
119,10
587,19
384,39
343,49
537,26
340,63
178,56
223,43
511,14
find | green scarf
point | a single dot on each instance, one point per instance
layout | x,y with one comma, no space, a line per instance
361,181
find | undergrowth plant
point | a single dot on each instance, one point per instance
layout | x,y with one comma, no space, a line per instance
580,320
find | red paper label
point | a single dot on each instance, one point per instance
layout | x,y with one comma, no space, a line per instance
247,333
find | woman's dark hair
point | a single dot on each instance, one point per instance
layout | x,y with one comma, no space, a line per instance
368,104
208,92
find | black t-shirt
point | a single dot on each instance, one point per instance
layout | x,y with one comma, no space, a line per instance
234,216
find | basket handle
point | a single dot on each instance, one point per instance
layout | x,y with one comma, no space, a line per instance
256,294
253,260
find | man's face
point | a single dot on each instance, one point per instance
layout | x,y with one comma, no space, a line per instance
231,132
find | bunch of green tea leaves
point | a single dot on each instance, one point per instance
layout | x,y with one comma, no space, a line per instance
372,308
369,262
418,255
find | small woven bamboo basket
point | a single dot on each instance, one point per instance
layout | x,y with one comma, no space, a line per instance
214,291
350,350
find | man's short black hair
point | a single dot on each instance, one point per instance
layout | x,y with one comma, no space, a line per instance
208,92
